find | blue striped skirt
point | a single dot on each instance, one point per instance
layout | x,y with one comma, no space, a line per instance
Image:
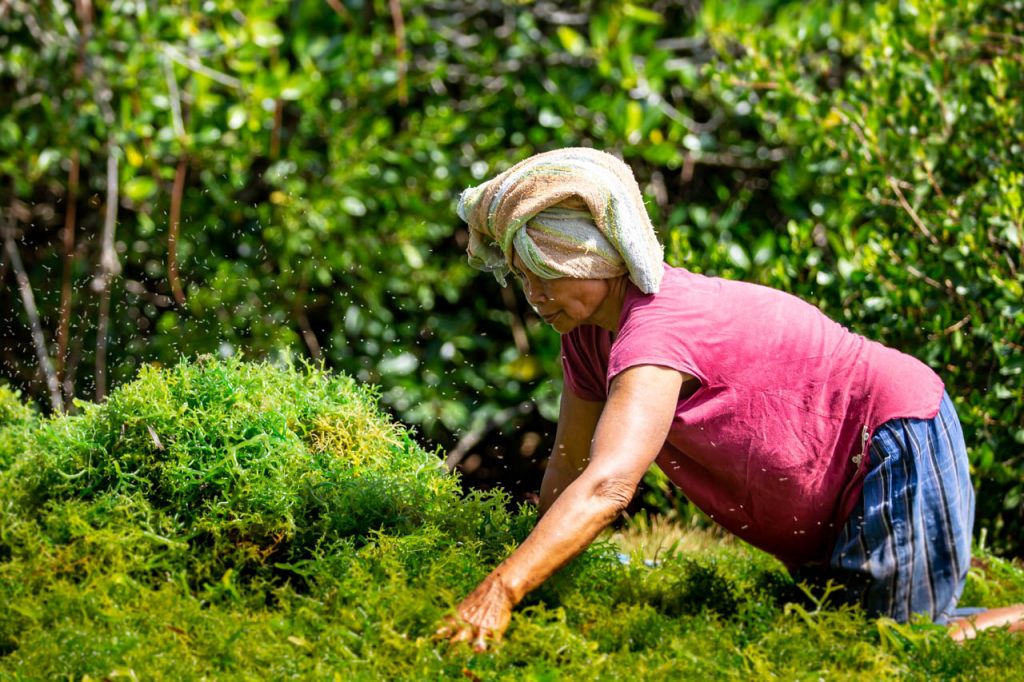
906,547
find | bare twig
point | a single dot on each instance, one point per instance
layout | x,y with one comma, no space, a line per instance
175,99
727,160
644,92
476,434
948,287
134,286
522,342
177,193
193,64
772,85
858,131
682,44
275,131
66,293
340,9
400,55
951,328
32,24
71,370
83,9
109,268
754,85
894,184
69,25
931,180
29,301
308,335
299,313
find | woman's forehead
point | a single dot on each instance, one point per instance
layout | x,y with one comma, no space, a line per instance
517,262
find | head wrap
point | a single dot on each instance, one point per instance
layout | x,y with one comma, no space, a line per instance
571,212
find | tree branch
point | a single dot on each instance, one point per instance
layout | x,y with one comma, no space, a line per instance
197,66
175,100
522,342
400,55
83,9
38,338
894,184
475,435
172,233
66,293
3,263
308,335
340,9
109,267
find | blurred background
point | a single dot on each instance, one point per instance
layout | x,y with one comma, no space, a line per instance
276,180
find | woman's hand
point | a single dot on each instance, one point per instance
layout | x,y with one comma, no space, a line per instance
482,616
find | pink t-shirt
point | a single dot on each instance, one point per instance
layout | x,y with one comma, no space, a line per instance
770,446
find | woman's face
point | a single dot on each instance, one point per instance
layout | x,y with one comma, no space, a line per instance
564,303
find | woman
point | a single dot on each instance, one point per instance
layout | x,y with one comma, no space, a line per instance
838,455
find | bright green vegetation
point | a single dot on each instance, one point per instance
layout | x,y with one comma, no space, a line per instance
243,521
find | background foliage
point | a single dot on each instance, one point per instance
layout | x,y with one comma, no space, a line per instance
272,178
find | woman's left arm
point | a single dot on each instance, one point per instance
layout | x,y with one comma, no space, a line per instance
630,434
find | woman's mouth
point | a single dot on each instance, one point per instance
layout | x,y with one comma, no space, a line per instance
549,317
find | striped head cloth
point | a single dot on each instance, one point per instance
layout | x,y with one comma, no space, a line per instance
571,212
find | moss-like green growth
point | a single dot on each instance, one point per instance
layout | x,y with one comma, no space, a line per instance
15,419
233,520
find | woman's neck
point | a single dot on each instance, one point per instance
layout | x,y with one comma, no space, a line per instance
610,310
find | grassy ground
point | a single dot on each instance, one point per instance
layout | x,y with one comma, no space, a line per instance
240,521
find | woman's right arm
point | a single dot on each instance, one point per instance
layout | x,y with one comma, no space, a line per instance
577,421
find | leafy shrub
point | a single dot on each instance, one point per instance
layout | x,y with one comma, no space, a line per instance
235,520
901,199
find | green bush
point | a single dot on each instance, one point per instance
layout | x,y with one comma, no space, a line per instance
901,197
237,520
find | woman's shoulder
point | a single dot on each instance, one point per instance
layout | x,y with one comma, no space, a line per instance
680,288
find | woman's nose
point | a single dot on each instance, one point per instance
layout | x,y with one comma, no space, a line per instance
533,291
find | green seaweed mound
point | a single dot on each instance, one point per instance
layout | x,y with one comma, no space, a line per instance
235,520
15,419
213,467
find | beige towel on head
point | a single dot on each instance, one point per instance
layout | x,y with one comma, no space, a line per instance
571,212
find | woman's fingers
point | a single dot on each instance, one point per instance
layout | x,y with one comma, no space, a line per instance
456,632
464,634
480,643
480,618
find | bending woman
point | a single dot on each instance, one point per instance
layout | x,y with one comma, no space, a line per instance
838,455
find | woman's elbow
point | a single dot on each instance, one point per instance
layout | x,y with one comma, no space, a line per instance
616,493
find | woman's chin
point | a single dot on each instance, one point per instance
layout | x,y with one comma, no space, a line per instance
561,324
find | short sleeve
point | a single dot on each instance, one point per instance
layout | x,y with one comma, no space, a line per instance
653,332
585,362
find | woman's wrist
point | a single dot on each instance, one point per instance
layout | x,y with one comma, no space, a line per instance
505,581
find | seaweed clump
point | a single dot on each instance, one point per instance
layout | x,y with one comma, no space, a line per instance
235,520
216,466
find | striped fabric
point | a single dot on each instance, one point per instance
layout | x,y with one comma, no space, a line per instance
571,212
906,547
